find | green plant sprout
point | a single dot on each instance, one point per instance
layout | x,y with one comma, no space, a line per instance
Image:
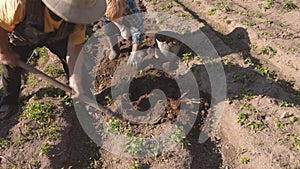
134,165
114,125
283,103
244,160
242,117
109,100
268,4
4,143
258,15
179,137
226,6
268,21
212,11
249,23
254,125
295,142
39,112
289,5
134,145
54,72
187,57
262,71
267,51
45,148
229,62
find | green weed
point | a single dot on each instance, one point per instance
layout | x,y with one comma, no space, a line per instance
289,5
258,15
268,4
242,117
109,101
264,33
268,21
39,112
46,148
179,137
199,58
134,145
212,11
247,94
283,103
226,6
4,144
254,125
167,5
244,160
94,164
267,51
229,62
54,72
43,55
32,80
295,142
278,124
249,108
241,12
134,165
249,23
252,45
187,57
116,160
262,71
114,125
248,61
35,163
292,120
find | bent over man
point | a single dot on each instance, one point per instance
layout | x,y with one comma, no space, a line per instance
57,24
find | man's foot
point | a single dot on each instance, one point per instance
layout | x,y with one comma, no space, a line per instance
7,110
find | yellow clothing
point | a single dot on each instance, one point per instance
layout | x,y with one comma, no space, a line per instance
12,12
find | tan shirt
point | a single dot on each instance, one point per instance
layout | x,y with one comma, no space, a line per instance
12,12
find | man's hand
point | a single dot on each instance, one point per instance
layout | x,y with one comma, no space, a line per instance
76,85
124,32
135,58
9,58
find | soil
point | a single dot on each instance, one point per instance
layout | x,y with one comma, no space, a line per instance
259,47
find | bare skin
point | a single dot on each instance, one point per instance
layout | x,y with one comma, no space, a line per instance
75,76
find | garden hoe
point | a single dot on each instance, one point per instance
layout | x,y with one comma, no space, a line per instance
68,89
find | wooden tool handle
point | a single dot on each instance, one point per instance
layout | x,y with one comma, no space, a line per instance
66,88
44,76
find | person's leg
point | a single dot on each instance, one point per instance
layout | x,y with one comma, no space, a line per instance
112,32
11,80
60,49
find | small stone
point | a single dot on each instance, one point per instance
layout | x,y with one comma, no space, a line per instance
284,115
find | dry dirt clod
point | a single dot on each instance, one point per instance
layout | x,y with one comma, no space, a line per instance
285,115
